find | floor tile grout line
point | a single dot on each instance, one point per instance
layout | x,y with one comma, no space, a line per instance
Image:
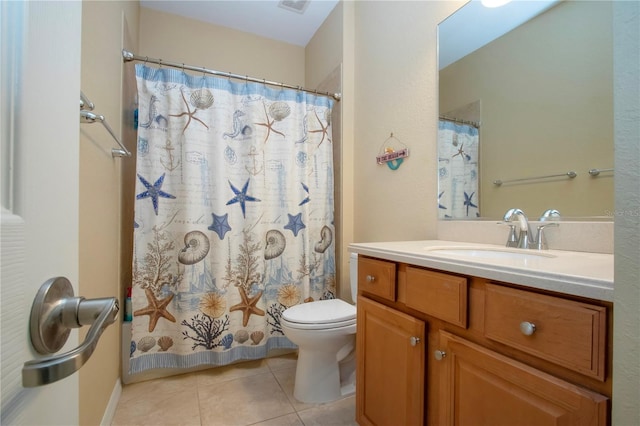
295,410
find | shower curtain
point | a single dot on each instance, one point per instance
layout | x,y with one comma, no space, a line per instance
458,171
233,217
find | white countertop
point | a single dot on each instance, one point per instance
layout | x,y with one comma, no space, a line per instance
577,273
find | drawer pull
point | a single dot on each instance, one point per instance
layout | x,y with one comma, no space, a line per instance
527,328
439,355
414,340
370,278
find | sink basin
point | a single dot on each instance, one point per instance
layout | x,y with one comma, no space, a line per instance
489,253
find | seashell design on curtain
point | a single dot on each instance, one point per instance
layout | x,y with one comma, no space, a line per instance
233,217
458,147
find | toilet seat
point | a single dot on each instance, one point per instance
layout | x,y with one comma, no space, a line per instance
321,314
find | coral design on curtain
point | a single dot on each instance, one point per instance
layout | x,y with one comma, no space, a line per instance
233,217
458,171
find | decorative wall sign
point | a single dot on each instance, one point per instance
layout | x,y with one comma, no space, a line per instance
392,153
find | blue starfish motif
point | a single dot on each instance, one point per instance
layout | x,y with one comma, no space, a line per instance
468,202
295,224
306,189
220,225
153,192
440,206
241,196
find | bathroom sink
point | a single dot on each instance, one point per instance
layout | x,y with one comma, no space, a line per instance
489,253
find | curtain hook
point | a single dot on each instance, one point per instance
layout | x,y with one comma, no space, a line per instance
160,62
146,59
204,77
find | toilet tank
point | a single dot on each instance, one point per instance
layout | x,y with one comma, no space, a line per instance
353,275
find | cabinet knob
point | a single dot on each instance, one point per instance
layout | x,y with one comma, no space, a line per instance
527,328
414,340
439,355
370,278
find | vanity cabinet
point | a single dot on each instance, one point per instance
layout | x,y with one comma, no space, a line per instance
439,348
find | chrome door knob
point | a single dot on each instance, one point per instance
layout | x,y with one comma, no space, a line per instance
414,340
527,328
439,355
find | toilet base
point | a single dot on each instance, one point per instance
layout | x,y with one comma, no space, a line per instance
318,377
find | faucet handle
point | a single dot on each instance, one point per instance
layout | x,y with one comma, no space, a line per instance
550,214
541,241
512,239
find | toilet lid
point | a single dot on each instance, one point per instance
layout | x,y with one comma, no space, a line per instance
320,312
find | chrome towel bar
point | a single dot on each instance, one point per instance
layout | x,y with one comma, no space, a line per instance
86,116
569,174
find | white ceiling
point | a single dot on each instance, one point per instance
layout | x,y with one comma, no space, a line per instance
468,29
261,17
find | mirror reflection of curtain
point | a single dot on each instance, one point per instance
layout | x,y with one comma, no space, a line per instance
458,171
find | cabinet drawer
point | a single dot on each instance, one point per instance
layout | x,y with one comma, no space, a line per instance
377,277
443,296
568,333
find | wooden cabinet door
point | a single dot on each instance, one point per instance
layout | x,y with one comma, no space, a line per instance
391,364
481,387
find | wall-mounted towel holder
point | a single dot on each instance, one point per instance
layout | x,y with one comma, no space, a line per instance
570,174
86,116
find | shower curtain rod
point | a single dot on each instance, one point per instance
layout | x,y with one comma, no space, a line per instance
457,120
128,57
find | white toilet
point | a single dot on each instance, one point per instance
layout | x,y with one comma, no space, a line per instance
325,332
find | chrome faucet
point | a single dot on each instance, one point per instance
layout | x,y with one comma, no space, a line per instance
525,237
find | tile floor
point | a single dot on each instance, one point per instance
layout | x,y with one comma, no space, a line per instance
251,393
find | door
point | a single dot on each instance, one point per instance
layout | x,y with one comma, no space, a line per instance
390,374
40,74
481,387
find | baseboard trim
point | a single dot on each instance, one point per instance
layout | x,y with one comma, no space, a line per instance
110,411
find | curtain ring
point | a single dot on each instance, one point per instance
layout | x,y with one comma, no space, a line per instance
146,59
203,78
160,62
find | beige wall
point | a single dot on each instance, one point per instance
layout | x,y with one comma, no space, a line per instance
103,28
324,53
395,91
563,119
177,39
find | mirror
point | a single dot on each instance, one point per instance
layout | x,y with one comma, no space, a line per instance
541,95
